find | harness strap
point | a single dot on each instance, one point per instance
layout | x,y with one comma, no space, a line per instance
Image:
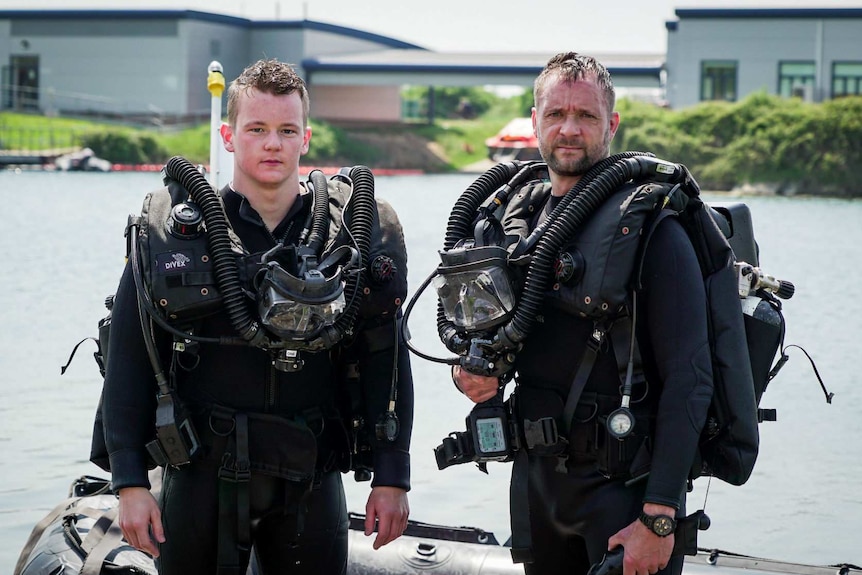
591,352
242,462
519,509
234,510
626,351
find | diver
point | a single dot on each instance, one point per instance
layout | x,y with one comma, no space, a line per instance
274,327
594,468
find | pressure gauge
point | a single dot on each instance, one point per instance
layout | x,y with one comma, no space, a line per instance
620,422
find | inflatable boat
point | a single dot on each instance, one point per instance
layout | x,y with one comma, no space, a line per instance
81,535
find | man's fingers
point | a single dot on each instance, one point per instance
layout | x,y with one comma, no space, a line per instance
383,534
369,522
149,545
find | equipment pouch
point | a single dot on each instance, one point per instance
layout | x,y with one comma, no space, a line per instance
281,447
277,445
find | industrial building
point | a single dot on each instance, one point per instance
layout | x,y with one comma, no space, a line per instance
153,63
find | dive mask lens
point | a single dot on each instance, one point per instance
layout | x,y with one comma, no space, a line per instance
299,309
477,295
297,320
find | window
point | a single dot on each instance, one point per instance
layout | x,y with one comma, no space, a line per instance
846,79
796,79
718,80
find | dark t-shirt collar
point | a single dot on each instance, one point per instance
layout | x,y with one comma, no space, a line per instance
249,215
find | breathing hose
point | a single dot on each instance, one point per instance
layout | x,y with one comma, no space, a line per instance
224,265
320,212
507,176
358,221
628,166
464,213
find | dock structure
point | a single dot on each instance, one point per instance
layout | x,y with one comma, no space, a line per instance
31,158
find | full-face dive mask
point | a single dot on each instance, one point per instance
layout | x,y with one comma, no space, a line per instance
475,287
297,300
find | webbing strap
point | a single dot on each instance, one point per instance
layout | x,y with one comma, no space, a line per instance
99,528
580,380
519,509
108,541
243,505
228,554
234,525
39,529
626,351
103,537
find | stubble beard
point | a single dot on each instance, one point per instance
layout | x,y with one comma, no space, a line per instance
575,166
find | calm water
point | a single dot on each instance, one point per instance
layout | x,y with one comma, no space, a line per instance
62,250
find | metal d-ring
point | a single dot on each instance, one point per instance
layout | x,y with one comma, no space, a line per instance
225,433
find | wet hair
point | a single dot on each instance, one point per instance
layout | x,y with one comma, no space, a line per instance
572,67
270,77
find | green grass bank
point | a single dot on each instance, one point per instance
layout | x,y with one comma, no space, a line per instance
786,145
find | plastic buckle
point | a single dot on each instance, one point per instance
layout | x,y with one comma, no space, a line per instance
542,432
235,473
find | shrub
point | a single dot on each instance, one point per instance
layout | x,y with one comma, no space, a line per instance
125,147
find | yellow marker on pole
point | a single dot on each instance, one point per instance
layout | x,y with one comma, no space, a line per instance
215,85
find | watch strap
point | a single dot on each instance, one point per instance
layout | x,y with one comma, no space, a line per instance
650,522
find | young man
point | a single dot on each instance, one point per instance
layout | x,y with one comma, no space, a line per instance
580,499
286,421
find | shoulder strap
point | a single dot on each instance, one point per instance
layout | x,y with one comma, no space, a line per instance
591,351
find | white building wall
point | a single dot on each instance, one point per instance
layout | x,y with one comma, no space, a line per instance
137,74
757,46
842,43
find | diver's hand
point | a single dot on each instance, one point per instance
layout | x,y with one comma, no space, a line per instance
389,507
138,512
645,552
478,388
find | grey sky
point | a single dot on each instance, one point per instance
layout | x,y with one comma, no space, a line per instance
544,26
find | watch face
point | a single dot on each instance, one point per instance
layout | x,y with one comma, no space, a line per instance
663,525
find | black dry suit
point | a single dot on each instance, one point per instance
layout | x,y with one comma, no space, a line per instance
274,421
573,484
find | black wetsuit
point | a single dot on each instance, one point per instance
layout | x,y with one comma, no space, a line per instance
573,514
243,379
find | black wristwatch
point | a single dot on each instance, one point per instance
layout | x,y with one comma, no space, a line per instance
661,525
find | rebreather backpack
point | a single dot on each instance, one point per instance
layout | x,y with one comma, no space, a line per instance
746,331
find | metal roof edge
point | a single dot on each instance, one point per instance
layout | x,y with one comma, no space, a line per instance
336,29
209,17
124,15
768,13
315,65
